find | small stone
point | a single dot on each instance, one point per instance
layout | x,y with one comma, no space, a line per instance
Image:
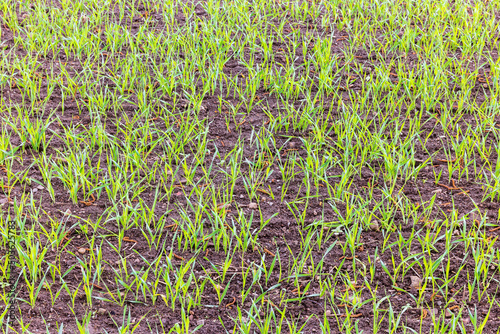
252,206
485,85
433,312
315,212
448,313
374,226
291,145
191,317
81,250
437,191
263,198
416,282
200,322
241,196
101,311
328,313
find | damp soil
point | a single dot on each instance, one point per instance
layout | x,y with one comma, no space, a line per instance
457,197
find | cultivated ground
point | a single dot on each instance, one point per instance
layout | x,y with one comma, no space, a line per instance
320,166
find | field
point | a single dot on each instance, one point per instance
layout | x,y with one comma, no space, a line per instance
249,166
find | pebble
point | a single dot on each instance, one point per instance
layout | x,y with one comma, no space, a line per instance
252,206
81,250
448,313
416,282
374,226
433,312
101,311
